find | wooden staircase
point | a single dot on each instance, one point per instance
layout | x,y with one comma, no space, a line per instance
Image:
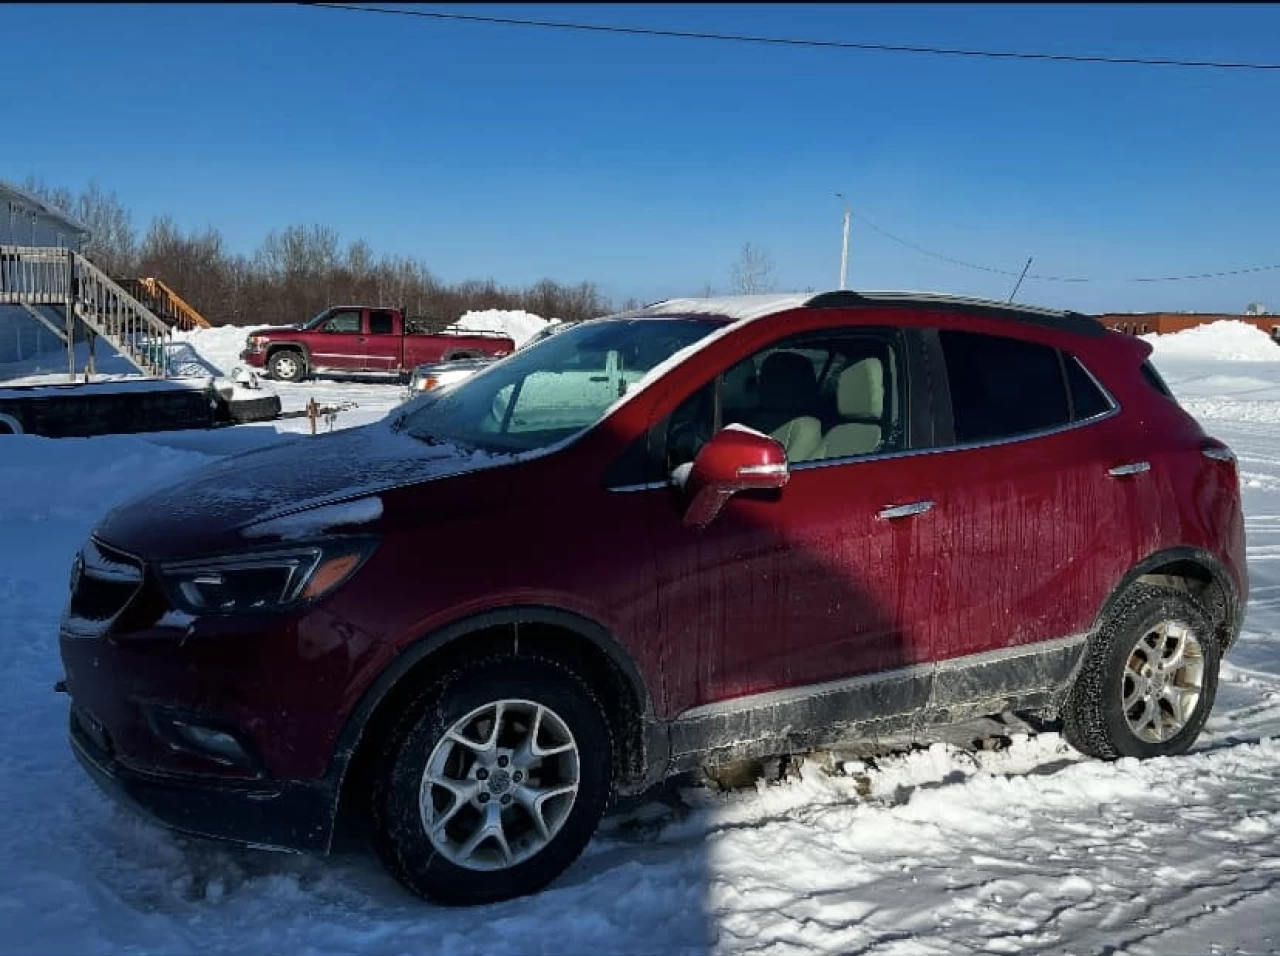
93,304
165,303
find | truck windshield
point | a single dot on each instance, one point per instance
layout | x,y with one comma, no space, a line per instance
551,391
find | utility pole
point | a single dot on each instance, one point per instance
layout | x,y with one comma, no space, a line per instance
844,245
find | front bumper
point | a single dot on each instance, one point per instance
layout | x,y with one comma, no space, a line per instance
254,358
263,813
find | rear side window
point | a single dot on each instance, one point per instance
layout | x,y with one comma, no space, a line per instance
1002,387
1154,380
381,323
1087,400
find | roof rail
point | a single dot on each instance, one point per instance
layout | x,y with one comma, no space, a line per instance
1075,322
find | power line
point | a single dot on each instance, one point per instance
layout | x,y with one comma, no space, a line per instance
1244,270
816,44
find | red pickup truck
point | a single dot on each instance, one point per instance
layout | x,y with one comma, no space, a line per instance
356,338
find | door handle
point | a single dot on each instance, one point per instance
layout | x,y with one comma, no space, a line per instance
905,511
1132,468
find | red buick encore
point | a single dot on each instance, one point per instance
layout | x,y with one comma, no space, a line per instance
704,531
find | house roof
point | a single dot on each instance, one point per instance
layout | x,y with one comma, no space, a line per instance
38,205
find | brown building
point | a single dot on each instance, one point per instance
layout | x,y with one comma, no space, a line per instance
1142,323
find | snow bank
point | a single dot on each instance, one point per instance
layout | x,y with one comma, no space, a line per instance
218,348
1229,340
78,479
521,326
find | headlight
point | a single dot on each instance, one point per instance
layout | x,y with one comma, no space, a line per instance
266,581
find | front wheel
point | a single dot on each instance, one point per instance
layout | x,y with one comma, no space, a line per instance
493,782
1148,680
287,366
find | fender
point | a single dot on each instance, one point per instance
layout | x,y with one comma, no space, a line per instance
274,346
655,735
1217,570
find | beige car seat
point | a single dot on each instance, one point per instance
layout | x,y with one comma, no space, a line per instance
859,396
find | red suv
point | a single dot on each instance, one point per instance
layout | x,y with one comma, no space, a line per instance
704,531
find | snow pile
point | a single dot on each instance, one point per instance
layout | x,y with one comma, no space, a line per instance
521,326
45,481
217,348
1229,340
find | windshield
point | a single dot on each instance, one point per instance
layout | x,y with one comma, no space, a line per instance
550,391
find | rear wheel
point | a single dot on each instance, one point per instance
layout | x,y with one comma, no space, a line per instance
1148,680
287,365
493,782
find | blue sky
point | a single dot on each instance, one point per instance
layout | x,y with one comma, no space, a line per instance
644,164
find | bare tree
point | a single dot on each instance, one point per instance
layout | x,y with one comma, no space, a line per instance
295,272
753,272
113,244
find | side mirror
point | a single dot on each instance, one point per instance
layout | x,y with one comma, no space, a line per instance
736,459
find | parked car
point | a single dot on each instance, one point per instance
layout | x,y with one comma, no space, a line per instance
362,339
430,375
710,531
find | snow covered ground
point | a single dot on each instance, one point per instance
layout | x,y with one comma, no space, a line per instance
1025,850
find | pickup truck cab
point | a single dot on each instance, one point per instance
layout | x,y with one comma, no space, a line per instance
354,338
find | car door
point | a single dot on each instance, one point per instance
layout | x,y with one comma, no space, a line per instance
1030,527
798,592
340,346
382,344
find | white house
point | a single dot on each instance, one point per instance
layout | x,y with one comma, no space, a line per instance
26,220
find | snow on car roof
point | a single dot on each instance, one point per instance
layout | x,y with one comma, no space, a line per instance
730,306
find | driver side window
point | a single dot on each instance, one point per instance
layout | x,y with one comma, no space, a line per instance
824,396
343,322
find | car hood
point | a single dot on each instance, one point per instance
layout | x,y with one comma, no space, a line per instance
214,508
277,330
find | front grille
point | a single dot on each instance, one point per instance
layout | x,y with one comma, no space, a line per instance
103,582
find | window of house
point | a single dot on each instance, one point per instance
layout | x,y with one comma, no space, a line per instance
381,323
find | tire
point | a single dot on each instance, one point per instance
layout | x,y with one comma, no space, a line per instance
437,869
287,365
248,410
1094,718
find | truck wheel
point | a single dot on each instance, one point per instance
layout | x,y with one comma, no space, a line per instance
1148,680
288,365
492,782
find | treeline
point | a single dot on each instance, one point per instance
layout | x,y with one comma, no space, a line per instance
296,272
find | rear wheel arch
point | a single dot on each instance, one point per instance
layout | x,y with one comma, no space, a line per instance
1192,570
582,645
